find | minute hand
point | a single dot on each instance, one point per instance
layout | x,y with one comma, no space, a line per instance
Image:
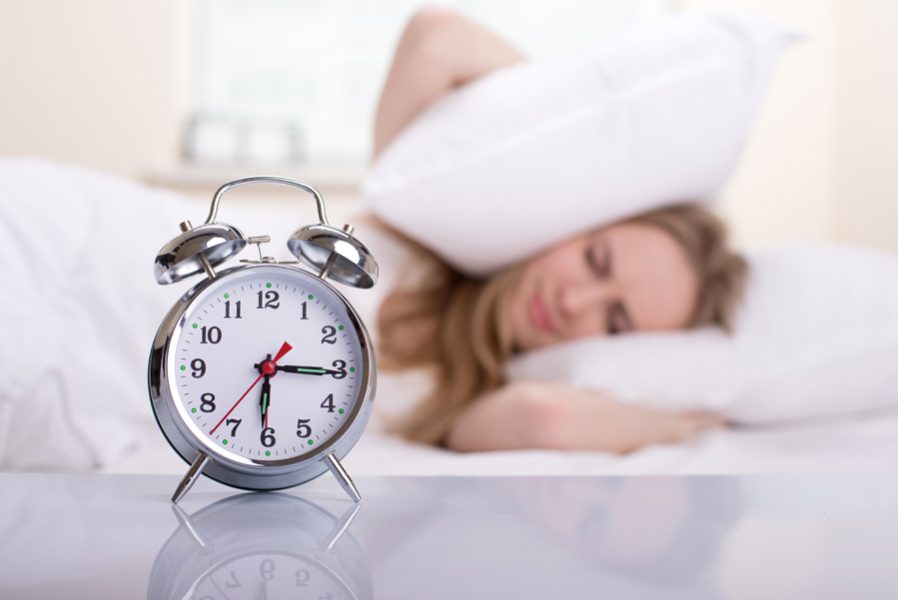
307,370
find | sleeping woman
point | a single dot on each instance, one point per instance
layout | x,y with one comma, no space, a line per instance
667,269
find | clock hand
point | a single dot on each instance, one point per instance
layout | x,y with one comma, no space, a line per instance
303,370
265,401
267,369
285,348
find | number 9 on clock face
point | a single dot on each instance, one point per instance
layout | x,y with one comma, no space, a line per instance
266,366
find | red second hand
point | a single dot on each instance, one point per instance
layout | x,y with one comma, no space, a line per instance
285,348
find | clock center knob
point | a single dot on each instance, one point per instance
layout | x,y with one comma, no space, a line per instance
268,368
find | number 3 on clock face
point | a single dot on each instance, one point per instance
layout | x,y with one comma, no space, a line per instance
267,366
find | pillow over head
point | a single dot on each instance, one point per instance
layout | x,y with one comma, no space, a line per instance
530,155
817,336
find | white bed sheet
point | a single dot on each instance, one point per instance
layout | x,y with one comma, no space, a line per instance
867,444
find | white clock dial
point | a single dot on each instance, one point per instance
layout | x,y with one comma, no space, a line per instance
267,365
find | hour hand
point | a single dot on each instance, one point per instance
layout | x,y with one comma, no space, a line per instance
302,370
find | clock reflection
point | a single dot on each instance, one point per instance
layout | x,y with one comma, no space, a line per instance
261,546
667,531
551,537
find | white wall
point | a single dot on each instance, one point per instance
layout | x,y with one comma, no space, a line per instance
822,160
94,82
866,136
783,188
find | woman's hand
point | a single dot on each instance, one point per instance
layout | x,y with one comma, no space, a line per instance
558,416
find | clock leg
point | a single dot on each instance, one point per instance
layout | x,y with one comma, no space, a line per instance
187,525
193,473
342,476
340,527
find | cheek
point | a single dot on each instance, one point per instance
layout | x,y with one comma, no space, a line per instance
590,324
515,305
536,275
565,264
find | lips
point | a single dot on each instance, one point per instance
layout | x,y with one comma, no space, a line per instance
540,313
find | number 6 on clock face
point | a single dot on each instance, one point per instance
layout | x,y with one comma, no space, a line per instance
266,367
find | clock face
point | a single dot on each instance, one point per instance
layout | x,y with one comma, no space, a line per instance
267,365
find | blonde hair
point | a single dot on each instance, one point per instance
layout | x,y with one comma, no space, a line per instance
452,322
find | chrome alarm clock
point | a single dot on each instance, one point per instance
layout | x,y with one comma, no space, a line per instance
262,375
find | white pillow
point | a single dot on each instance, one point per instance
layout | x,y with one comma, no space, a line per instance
817,336
529,155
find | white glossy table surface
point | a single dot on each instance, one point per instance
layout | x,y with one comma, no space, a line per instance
116,536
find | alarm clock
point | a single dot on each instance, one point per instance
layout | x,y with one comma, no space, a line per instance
262,375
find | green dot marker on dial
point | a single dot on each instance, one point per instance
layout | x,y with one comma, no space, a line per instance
311,442
340,328
268,285
268,453
225,442
195,325
340,411
311,296
183,367
352,369
227,295
193,410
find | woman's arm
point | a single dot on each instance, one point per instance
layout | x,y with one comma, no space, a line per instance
555,416
439,50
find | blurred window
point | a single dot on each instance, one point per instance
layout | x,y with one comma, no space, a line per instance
296,81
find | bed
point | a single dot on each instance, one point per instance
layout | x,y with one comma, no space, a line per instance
859,445
86,426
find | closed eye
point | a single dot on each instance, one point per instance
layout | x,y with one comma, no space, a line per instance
623,323
619,320
597,259
600,260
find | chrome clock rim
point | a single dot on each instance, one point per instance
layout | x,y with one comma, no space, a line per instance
224,466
